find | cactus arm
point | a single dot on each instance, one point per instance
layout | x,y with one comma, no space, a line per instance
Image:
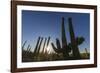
58,44
79,40
55,49
69,47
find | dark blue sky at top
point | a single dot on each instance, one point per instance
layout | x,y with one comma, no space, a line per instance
45,24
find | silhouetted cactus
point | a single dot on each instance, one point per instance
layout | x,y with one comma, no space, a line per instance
79,40
24,45
64,48
39,46
86,50
38,50
57,50
48,41
28,51
27,54
75,49
28,48
87,54
63,36
44,45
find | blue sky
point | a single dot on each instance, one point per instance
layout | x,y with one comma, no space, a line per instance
45,24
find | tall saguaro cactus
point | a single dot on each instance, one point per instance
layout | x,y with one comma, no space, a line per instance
64,48
75,49
64,40
63,36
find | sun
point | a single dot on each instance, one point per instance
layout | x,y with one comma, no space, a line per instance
49,49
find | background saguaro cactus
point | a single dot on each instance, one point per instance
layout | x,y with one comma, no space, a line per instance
44,45
24,45
87,54
26,53
38,50
36,47
48,41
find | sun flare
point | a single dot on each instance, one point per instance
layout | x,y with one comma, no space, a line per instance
49,49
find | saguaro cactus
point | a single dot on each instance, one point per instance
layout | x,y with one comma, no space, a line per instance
36,47
87,54
48,41
44,45
64,48
64,41
63,36
39,46
24,45
75,49
58,49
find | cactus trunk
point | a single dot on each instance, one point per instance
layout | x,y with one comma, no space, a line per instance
75,49
63,36
36,47
44,45
64,41
39,46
